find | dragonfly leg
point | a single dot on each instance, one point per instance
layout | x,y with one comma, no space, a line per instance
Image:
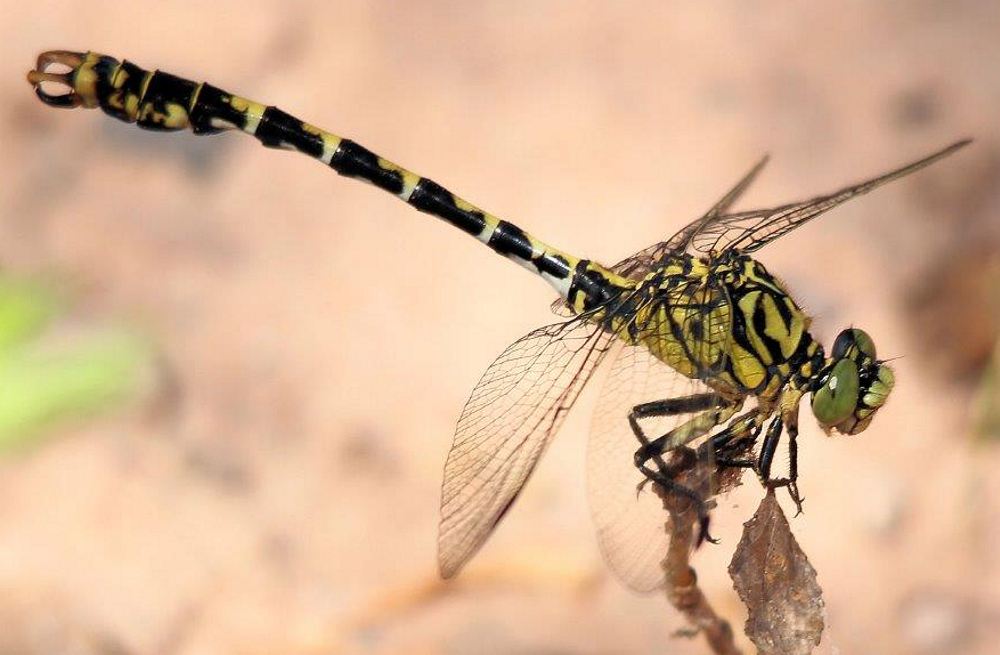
670,486
736,435
668,407
712,411
771,440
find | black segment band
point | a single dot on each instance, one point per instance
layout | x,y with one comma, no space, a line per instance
353,160
429,196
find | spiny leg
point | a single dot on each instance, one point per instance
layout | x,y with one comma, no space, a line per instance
668,407
767,451
749,425
713,411
792,426
743,428
674,440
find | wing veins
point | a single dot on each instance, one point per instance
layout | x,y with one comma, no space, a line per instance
545,371
778,221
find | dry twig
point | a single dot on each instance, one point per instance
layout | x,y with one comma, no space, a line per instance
682,588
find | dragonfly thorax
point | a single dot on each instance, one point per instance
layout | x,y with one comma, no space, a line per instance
728,322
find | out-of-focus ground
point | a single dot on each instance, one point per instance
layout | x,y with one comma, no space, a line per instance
318,338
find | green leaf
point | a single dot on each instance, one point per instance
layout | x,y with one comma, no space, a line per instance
46,384
26,308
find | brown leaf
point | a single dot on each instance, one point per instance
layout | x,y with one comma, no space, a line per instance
777,584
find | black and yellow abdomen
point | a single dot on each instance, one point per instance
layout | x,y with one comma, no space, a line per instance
156,100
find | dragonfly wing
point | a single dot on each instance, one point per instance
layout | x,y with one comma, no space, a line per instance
631,524
560,308
643,262
513,412
752,230
682,240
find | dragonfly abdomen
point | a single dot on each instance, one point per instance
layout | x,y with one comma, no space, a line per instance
160,101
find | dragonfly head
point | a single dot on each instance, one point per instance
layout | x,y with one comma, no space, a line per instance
853,385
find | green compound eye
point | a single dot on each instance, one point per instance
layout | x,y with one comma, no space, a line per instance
853,337
864,343
836,400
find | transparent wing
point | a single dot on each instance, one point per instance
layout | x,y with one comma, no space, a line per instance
512,414
682,240
643,262
560,308
630,524
752,230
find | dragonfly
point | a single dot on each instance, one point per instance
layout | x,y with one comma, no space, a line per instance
710,355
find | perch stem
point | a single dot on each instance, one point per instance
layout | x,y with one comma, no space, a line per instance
682,588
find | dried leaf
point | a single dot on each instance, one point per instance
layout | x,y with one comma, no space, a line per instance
777,584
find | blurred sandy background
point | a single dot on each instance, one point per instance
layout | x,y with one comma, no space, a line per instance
277,491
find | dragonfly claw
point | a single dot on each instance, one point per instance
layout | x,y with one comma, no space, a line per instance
36,77
793,491
703,534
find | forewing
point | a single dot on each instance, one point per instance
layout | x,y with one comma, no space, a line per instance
752,230
512,414
643,262
682,240
630,523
